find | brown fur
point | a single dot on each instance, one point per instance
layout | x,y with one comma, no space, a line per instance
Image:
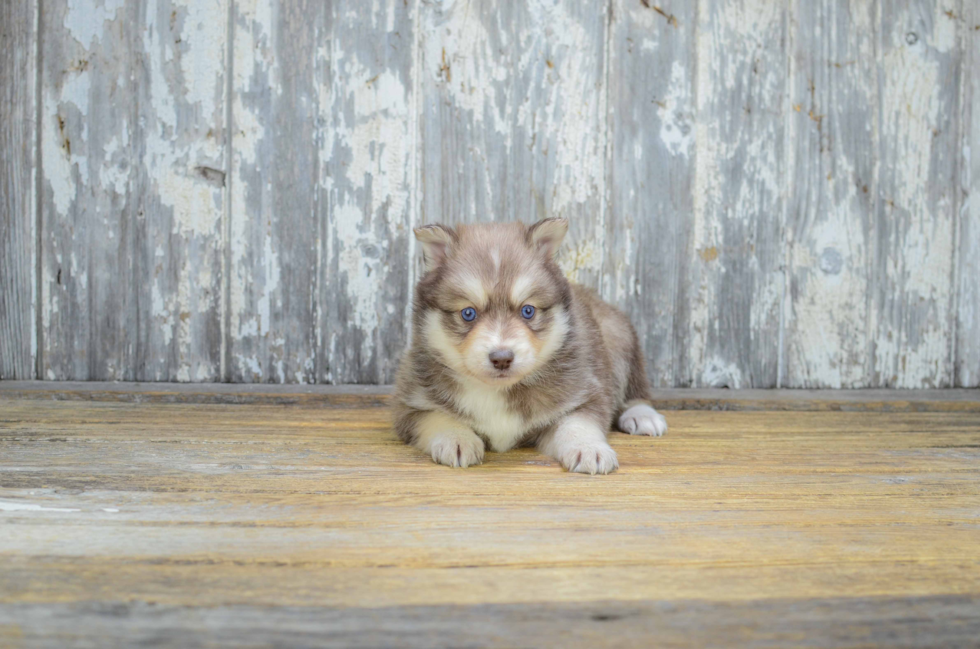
594,370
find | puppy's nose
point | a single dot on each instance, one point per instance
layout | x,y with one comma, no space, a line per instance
501,358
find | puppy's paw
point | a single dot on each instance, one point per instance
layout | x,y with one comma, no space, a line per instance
589,456
457,449
641,419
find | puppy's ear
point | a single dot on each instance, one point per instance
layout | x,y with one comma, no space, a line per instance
437,241
547,235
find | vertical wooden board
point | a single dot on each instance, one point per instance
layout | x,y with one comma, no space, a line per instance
271,325
18,259
651,114
132,151
180,187
367,187
514,118
90,126
831,205
736,278
967,370
919,85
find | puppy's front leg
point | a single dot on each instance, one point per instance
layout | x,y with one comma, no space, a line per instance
579,443
446,439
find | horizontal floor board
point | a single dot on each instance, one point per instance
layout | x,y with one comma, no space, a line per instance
270,522
342,396
937,621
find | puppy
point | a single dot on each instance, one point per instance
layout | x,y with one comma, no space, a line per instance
507,352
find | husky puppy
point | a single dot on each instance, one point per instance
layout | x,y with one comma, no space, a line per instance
506,352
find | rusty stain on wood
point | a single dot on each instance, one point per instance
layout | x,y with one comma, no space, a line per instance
708,254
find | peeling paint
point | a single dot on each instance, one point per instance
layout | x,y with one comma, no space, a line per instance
58,170
172,163
763,186
579,256
916,215
676,128
738,189
830,279
719,373
358,270
85,20
368,174
254,259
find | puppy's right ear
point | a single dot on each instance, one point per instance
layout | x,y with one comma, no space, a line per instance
547,235
437,241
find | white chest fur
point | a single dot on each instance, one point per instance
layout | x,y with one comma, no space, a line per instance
491,415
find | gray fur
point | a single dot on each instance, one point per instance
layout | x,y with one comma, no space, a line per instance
595,370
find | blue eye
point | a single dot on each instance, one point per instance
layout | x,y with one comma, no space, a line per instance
527,311
469,314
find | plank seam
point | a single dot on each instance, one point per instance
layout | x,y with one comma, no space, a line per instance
38,179
132,367
788,176
417,206
963,51
319,220
872,378
225,315
971,205
954,275
686,372
606,149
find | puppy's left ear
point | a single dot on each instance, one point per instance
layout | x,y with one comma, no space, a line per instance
437,242
547,235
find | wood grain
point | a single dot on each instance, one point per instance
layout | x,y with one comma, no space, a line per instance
90,203
857,622
372,396
322,192
513,119
919,76
737,281
133,159
181,189
652,122
833,121
273,237
967,357
183,519
779,193
18,192
368,187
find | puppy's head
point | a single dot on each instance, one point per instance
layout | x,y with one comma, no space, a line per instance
493,305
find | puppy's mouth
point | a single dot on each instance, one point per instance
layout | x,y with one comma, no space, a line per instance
501,377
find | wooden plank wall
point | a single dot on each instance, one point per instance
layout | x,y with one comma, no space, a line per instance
18,235
779,193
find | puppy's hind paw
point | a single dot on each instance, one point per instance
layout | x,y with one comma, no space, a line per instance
641,419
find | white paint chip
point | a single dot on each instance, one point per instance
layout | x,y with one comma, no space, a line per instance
29,507
85,22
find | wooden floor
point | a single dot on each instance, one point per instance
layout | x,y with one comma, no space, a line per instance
135,516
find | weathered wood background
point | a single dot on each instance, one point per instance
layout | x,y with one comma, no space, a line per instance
779,192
